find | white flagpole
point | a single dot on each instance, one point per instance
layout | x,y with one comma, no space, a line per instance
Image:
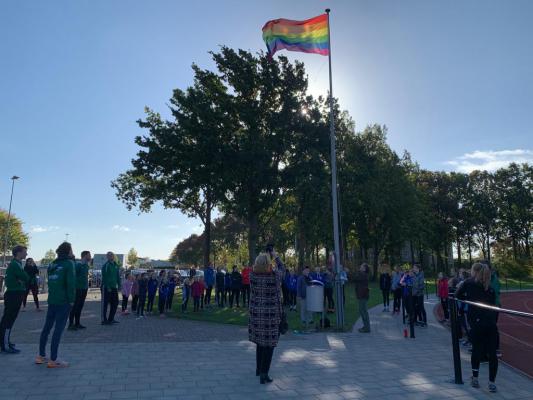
339,306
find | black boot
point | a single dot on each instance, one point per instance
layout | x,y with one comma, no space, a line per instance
265,365
258,357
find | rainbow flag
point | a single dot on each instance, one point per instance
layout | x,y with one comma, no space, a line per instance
309,36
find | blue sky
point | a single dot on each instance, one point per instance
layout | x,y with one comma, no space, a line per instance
451,80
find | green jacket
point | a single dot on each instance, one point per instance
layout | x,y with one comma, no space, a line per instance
61,282
82,276
16,279
495,285
110,275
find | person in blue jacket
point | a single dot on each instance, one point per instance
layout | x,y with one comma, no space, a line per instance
285,287
293,283
408,303
317,275
143,289
227,288
163,293
152,290
172,282
209,280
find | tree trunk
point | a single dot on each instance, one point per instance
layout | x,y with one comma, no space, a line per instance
513,238
527,244
488,245
207,228
375,261
412,251
459,252
253,229
470,250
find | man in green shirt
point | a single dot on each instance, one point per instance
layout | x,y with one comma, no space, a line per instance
16,280
110,286
82,285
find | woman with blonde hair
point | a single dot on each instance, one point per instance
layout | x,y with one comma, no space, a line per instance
484,331
265,310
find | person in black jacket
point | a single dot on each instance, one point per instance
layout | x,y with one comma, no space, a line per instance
236,285
219,287
484,331
385,286
33,285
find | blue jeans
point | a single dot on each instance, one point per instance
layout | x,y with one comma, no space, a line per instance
57,315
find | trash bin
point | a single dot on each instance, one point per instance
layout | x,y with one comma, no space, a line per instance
315,297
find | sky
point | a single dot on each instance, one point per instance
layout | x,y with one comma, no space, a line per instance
451,80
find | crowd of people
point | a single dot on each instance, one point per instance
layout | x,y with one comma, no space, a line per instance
68,286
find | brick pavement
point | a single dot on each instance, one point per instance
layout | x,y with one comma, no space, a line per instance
317,366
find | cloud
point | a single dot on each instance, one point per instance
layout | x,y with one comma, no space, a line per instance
490,160
121,228
42,229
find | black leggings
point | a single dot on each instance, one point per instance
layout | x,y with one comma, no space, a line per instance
124,302
445,310
419,309
386,297
75,312
397,300
328,292
207,297
34,291
150,305
234,297
484,341
263,359
12,303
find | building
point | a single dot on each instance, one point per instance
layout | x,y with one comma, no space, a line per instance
100,259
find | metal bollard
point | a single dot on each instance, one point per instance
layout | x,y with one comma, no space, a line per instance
458,375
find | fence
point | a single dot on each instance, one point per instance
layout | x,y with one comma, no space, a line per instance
455,327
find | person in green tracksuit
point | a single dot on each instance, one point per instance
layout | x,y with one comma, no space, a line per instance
110,286
15,280
82,286
61,295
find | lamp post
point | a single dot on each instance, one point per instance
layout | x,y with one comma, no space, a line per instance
13,179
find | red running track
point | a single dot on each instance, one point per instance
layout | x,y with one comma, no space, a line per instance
516,333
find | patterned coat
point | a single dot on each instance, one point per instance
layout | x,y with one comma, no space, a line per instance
265,309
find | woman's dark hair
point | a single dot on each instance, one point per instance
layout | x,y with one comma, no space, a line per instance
365,267
84,253
64,250
18,249
29,260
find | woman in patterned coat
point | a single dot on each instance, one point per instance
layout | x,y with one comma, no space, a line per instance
265,311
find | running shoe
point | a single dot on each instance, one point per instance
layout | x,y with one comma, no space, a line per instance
57,364
80,326
492,387
474,382
41,360
72,328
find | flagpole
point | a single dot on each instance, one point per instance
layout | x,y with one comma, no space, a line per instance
338,284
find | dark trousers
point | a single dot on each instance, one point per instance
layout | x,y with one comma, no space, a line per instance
285,293
208,293
408,310
168,304
397,300
12,303
420,309
227,296
161,304
292,298
234,297
134,302
484,341
79,302
56,315
220,297
245,295
386,297
150,305
263,359
328,293
196,302
34,291
124,302
445,309
140,305
111,301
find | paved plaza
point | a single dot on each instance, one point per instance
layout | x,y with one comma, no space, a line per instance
175,359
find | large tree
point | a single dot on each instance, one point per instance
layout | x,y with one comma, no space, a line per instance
15,235
182,162
188,251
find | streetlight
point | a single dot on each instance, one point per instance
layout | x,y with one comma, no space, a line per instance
13,179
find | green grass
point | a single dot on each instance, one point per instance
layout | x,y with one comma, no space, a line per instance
239,316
